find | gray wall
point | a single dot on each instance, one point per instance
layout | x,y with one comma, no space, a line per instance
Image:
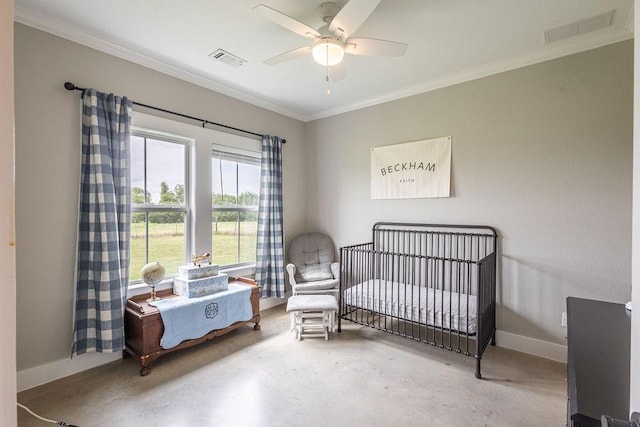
7,233
48,170
543,153
635,322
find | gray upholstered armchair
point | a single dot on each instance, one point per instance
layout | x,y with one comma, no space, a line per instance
311,267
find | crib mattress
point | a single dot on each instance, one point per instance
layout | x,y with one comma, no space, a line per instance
434,307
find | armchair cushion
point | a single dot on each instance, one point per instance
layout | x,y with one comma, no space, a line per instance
318,285
315,272
312,254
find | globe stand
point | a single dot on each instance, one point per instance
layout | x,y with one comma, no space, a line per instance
153,297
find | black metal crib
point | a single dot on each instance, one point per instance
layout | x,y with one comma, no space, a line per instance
431,283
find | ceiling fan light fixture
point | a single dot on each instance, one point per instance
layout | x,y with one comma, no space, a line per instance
328,51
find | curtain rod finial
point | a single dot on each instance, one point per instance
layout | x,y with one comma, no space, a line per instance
71,86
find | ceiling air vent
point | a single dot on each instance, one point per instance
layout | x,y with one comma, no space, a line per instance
227,58
577,28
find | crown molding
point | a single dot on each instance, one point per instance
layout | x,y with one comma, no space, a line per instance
547,53
165,65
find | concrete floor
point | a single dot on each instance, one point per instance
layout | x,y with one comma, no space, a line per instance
360,377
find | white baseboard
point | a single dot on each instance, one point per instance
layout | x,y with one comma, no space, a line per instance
266,303
533,346
38,375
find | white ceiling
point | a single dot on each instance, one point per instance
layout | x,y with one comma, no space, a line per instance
450,41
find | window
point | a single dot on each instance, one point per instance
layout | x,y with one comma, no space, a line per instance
173,215
235,194
159,201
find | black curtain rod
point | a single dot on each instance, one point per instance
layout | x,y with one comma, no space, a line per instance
71,86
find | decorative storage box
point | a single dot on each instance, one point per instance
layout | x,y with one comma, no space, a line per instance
191,272
200,287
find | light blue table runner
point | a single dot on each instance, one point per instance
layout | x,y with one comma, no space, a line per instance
190,318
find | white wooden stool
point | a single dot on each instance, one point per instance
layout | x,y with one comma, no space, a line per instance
312,315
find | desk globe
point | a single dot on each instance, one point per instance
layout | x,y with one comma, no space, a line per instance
152,274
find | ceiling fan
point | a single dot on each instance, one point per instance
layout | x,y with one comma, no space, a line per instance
331,41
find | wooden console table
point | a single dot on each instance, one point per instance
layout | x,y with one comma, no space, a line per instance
599,351
144,328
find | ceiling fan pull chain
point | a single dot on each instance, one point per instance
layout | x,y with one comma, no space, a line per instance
327,77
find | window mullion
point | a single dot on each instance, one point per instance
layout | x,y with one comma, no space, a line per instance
238,214
144,199
238,225
146,237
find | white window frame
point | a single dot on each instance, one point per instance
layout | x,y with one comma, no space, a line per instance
186,208
236,208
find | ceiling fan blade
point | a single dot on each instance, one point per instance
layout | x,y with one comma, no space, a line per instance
287,56
337,72
286,21
351,16
374,47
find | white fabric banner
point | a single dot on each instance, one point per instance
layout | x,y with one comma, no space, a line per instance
411,170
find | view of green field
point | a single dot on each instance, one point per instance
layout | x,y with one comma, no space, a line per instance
166,243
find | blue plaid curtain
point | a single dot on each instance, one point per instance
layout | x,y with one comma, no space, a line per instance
102,273
270,247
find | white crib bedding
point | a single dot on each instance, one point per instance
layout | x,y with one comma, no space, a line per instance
452,310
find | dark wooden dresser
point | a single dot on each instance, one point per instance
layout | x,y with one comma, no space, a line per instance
144,328
598,359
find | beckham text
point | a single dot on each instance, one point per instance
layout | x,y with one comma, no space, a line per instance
408,166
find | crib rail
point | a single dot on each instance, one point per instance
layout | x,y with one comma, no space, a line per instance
431,283
487,302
